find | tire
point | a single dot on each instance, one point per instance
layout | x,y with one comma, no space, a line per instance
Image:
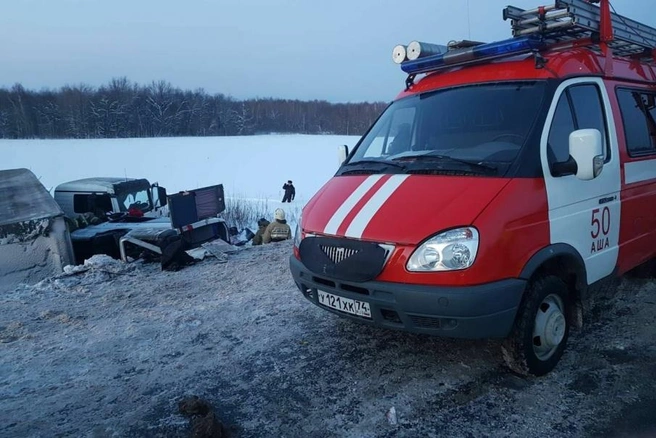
544,312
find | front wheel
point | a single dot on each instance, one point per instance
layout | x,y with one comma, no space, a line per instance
538,338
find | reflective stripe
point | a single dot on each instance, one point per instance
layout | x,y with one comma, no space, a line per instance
344,209
370,209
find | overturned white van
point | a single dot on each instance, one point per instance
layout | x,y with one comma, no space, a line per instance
34,240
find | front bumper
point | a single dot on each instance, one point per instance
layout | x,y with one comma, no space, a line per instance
484,311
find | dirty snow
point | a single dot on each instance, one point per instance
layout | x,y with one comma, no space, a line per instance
110,349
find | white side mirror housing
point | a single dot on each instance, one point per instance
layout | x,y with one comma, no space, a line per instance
586,149
342,153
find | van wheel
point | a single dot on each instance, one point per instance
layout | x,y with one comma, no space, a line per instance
538,338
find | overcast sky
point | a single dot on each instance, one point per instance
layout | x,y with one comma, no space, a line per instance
337,50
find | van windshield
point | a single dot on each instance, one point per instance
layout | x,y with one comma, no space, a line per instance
474,128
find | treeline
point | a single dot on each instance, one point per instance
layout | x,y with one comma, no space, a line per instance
125,109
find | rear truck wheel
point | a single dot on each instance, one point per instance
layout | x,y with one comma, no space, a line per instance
539,336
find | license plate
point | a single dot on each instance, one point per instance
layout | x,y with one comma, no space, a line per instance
347,305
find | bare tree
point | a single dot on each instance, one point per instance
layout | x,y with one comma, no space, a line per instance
125,109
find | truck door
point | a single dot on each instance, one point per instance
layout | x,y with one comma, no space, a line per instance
583,214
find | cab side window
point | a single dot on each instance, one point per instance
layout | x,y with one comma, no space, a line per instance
91,203
639,119
561,126
579,107
588,111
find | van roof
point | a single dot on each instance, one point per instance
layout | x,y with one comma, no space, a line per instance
560,64
24,198
96,184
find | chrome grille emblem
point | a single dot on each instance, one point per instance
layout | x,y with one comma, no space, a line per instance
338,254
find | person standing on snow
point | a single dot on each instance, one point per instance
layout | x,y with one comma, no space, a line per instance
277,230
290,191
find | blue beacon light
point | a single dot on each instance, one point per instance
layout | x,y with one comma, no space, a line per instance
482,52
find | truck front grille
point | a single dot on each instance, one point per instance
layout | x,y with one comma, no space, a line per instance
343,259
337,254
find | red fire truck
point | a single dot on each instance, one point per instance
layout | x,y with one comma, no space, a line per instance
497,191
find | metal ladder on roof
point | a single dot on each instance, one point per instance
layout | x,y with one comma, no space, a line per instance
577,20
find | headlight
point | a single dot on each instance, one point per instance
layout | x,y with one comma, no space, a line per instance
448,251
297,233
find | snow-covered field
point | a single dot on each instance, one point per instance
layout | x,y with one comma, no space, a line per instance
248,167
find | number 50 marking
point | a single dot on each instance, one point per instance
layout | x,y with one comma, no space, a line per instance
602,225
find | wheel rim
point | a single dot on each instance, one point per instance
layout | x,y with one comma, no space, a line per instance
549,327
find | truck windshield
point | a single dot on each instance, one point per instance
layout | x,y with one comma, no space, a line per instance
477,128
134,199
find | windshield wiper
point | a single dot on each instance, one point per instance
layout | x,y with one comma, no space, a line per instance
439,157
383,162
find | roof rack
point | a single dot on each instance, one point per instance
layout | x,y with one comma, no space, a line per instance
569,20
566,23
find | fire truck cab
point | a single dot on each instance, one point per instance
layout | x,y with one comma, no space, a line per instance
494,194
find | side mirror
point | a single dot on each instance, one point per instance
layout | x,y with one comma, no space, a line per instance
342,153
161,194
586,149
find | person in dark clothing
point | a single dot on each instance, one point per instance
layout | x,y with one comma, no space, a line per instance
262,225
290,191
